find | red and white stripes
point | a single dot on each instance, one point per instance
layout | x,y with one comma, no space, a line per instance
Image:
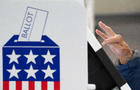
31,85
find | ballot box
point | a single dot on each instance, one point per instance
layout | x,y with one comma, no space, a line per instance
43,45
39,57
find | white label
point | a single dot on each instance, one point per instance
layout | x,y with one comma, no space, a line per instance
125,87
93,41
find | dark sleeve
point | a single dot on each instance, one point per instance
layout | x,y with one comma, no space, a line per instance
131,71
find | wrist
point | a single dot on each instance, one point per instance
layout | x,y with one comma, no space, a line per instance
124,59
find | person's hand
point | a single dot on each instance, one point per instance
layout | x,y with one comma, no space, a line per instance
115,42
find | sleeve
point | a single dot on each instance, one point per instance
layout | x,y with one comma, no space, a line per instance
131,71
136,54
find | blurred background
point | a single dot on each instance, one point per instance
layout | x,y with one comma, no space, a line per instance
123,16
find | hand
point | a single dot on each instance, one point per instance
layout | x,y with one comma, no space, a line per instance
115,42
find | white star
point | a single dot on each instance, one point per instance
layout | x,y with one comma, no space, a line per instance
31,72
31,57
48,57
13,72
48,72
13,57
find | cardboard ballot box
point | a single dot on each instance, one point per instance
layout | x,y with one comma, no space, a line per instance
40,58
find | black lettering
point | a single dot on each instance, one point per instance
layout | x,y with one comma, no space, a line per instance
30,14
24,35
25,31
29,19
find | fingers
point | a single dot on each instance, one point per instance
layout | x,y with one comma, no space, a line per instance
101,34
106,28
115,39
110,37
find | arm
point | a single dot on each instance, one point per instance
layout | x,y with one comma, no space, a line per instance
130,59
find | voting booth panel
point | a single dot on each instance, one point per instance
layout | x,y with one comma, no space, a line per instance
43,45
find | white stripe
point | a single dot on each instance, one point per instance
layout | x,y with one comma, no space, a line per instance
12,85
125,87
50,85
25,85
37,85
93,41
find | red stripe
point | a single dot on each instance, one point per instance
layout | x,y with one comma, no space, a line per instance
31,85
44,85
18,85
5,85
56,85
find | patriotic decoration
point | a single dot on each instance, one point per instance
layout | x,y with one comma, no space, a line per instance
31,65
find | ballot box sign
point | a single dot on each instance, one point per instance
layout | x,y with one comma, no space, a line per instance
31,64
28,64
43,45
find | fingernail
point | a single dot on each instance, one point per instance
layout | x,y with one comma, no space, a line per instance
96,30
103,43
101,24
